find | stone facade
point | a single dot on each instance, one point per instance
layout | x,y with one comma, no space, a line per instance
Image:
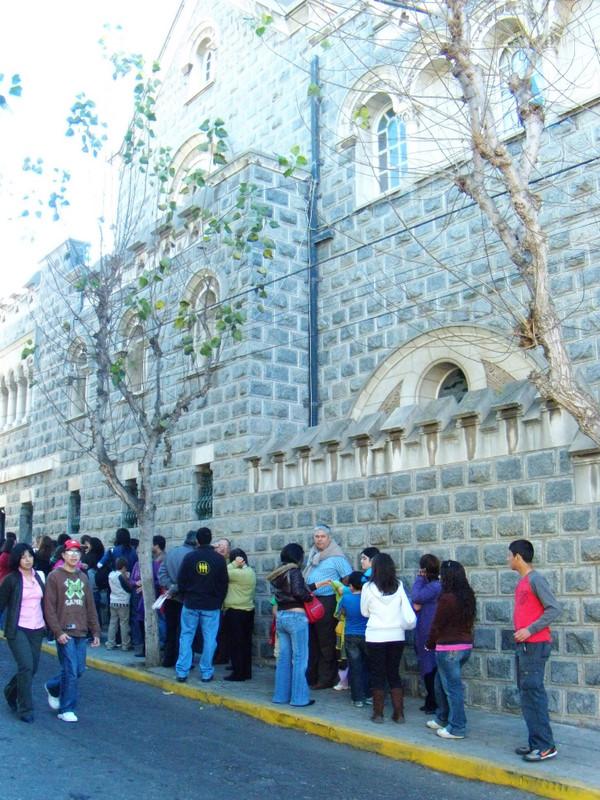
413,288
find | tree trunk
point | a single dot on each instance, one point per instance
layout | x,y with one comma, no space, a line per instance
147,527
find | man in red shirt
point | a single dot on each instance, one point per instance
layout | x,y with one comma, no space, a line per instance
535,608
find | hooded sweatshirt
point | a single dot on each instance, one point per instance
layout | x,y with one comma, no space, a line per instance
385,622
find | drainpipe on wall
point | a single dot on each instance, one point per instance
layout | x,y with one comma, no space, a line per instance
314,237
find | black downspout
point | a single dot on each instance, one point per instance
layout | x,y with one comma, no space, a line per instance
313,262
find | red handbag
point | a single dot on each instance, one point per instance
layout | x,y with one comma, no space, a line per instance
314,608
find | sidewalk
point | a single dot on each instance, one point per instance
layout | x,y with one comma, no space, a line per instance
487,753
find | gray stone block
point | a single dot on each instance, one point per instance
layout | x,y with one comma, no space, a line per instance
480,473
305,519
452,476
438,504
580,642
482,694
424,481
401,484
501,667
411,559
344,515
494,499
592,673
510,698
465,501
540,465
507,640
377,487
576,519
495,555
426,532
543,522
389,510
559,491
472,669
582,703
414,507
526,495
580,580
366,512
590,549
278,500
511,526
453,529
482,528
468,555
509,469
401,534
561,551
285,521
564,672
483,582
497,611
356,490
484,638
334,492
508,581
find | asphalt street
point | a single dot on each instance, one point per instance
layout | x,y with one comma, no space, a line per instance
136,741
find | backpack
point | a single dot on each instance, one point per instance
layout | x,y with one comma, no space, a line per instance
102,572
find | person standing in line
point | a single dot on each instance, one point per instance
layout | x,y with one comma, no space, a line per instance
326,562
71,615
21,593
383,600
120,601
238,615
167,578
451,636
424,596
536,608
203,582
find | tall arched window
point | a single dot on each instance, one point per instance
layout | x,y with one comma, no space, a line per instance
77,379
392,153
203,296
136,360
518,60
200,70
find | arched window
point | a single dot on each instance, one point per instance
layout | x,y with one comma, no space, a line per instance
519,60
200,70
454,385
203,297
77,380
392,153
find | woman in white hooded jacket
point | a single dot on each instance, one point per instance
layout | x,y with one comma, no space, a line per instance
384,602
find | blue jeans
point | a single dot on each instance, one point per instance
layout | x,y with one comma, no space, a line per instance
531,664
291,685
209,625
71,657
358,661
449,694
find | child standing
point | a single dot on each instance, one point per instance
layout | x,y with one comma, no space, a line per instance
356,648
120,596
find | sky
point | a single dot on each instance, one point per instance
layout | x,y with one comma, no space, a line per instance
54,48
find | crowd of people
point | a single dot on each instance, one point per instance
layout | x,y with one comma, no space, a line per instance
333,627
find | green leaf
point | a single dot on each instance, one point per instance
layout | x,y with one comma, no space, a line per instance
159,305
314,90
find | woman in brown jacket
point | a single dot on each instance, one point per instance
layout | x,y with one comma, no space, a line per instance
451,636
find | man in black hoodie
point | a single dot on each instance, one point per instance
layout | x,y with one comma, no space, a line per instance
202,580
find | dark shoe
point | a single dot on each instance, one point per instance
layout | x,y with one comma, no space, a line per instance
26,717
541,755
181,678
318,686
310,703
140,655
207,680
398,705
523,750
233,678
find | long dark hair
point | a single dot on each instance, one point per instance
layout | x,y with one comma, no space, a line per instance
384,573
16,554
431,565
46,548
292,554
123,539
454,581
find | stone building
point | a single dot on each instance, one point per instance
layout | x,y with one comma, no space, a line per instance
379,386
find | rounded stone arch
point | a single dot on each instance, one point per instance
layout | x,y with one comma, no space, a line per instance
415,371
383,80
189,157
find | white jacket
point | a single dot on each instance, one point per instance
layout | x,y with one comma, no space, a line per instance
389,615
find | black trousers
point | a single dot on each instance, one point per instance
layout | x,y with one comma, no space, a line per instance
384,664
322,660
25,648
172,611
238,629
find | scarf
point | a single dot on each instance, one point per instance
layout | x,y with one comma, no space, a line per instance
316,556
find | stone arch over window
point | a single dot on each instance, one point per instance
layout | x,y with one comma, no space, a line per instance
190,157
77,378
203,294
201,65
134,353
418,371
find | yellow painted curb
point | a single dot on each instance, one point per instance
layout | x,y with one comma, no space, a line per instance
468,767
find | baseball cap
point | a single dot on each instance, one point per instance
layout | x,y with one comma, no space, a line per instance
72,544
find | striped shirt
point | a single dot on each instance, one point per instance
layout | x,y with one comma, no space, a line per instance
333,568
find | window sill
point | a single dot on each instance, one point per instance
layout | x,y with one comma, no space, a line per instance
200,91
15,427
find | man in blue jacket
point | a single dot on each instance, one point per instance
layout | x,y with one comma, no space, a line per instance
202,580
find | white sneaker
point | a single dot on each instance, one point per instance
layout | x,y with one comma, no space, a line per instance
444,733
340,687
53,702
68,716
435,726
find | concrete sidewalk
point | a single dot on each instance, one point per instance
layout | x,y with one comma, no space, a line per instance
487,754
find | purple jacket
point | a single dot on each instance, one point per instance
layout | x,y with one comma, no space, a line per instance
425,593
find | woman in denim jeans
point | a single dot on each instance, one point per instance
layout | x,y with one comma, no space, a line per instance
291,593
451,636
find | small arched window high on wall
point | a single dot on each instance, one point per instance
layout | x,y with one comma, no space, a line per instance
77,380
201,66
392,153
136,360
